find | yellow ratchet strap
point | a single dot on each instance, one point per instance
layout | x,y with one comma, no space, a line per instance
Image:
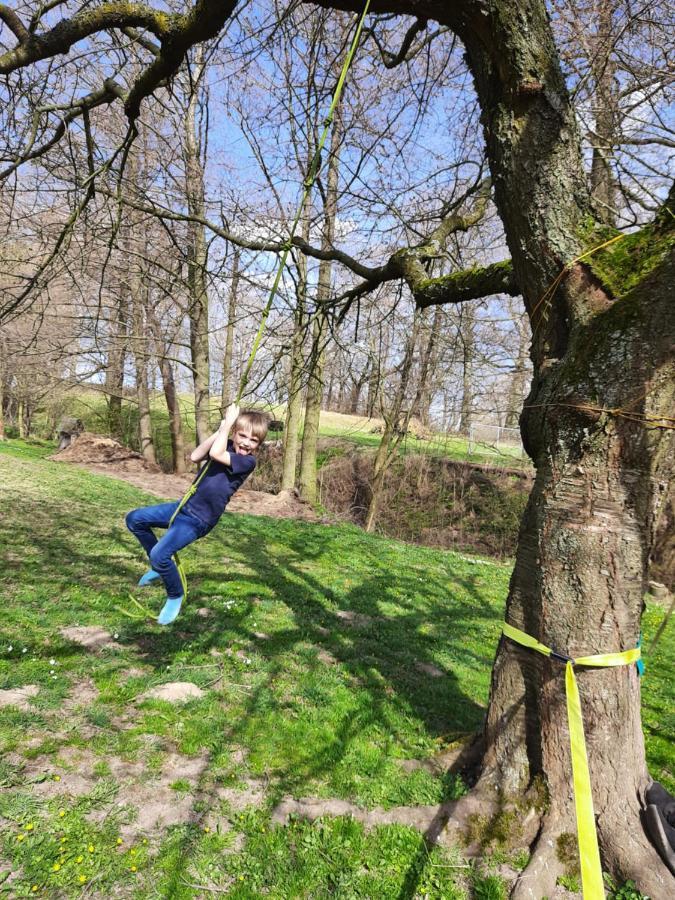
589,854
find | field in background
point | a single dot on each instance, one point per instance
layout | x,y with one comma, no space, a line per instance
90,406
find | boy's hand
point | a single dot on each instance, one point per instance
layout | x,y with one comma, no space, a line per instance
231,416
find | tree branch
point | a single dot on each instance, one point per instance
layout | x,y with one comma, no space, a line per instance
469,284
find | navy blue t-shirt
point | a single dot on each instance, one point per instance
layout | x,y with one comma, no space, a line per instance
217,486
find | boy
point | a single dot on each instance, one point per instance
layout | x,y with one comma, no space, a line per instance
231,461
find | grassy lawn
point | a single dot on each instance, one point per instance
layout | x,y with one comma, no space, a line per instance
317,651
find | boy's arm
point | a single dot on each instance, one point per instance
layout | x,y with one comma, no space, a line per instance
202,451
218,449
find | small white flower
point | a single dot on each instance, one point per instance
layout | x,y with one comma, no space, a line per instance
54,677
25,650
52,662
10,648
116,635
51,671
248,662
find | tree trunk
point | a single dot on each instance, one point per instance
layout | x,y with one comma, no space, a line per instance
228,395
395,426
605,108
602,367
294,401
114,375
20,420
2,387
140,350
514,403
197,260
310,435
170,394
468,354
428,368
581,564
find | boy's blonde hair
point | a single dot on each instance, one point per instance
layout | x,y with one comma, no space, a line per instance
255,422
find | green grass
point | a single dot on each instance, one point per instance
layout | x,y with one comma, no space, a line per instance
297,701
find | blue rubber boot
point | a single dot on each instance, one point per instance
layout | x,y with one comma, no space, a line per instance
170,610
149,578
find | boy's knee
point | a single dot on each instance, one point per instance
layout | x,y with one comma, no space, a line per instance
156,557
130,520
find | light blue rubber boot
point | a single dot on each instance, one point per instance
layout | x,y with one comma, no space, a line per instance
149,578
170,610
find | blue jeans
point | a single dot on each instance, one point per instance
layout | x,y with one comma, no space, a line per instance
184,530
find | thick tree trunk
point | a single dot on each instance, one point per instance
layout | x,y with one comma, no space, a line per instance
602,367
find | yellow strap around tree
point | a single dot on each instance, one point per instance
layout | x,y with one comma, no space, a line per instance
308,183
589,854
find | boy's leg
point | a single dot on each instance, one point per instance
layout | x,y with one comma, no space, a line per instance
140,522
184,531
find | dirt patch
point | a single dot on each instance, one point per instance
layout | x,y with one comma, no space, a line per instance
90,636
247,792
83,693
174,692
354,619
429,669
91,448
19,697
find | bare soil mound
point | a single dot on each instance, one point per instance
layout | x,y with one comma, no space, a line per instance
108,457
88,448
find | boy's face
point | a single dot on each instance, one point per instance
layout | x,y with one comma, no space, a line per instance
244,441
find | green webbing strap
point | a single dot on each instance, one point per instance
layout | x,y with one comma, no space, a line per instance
308,183
589,854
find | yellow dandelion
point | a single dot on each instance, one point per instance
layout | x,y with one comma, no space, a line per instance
119,841
62,813
56,867
145,840
241,878
207,829
35,888
133,869
57,778
91,848
133,851
20,837
63,840
29,826
79,859
82,878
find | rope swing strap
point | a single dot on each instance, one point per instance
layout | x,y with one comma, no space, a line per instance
589,854
308,183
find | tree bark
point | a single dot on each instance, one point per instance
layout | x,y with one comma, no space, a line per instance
228,395
310,435
114,376
197,260
602,367
294,400
170,393
468,354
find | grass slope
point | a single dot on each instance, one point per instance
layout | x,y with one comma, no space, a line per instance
298,700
